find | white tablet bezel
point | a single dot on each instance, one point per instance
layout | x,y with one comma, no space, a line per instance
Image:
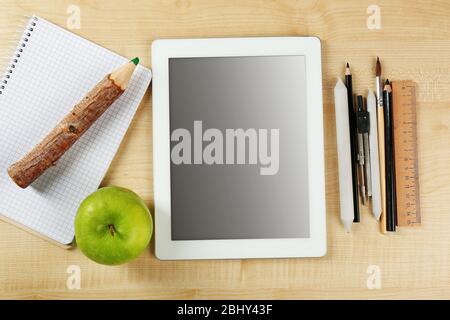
166,248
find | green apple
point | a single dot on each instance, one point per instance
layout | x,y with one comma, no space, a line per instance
113,226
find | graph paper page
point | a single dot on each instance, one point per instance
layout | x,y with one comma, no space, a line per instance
54,71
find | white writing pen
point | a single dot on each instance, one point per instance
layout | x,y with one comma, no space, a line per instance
344,155
374,160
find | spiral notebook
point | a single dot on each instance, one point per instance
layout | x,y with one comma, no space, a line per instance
51,70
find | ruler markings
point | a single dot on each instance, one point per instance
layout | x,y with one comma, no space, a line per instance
405,146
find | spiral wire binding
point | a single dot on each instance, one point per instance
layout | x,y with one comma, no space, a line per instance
31,25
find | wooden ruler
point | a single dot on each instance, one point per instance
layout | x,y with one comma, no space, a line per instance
406,159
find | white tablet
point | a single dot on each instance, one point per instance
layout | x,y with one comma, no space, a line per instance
238,153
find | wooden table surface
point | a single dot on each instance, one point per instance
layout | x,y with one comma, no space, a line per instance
413,43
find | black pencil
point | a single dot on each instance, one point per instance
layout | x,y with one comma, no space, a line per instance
353,140
389,156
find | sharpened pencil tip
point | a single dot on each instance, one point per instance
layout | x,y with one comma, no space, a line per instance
347,70
387,86
347,225
135,61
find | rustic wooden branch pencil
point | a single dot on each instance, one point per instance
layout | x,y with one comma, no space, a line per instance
46,154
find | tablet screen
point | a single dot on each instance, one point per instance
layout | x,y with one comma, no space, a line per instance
239,166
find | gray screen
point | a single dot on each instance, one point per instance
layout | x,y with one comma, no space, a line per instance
234,200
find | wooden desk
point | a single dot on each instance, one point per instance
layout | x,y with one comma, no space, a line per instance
413,43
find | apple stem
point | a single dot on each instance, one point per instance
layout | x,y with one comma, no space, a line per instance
111,229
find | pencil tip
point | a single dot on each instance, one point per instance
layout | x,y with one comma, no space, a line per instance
339,83
347,70
387,86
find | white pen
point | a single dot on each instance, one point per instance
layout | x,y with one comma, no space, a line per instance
344,155
374,160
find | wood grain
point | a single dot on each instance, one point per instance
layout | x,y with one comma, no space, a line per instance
412,44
